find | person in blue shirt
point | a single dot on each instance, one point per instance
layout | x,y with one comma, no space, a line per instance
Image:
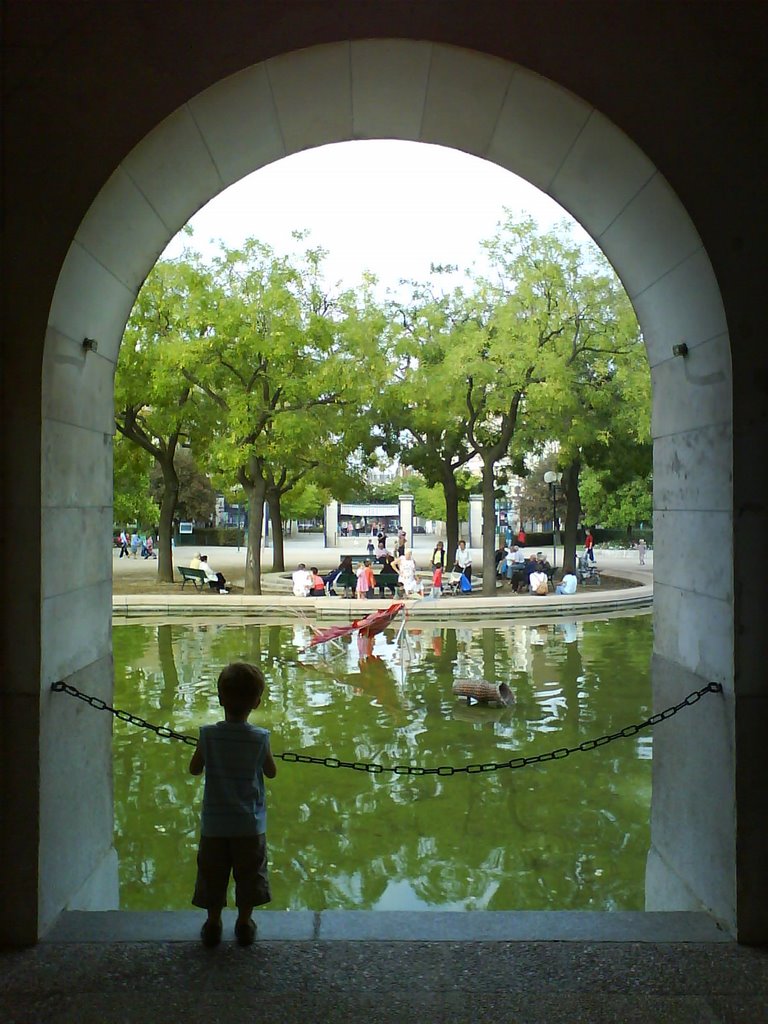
235,757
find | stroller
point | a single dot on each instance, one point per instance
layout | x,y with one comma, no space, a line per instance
587,571
455,585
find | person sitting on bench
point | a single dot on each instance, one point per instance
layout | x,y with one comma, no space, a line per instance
302,581
318,583
538,582
215,579
345,566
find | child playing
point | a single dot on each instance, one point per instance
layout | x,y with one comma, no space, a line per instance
235,757
366,581
437,580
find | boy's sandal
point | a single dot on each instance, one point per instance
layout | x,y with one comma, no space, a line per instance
245,932
210,933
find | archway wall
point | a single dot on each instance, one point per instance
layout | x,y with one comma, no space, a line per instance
493,109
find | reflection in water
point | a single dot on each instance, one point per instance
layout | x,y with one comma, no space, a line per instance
564,835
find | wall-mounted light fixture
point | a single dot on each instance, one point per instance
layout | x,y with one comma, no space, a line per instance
89,345
680,350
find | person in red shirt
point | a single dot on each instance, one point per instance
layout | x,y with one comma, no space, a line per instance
589,545
437,580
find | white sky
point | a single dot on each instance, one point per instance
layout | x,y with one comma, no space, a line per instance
384,206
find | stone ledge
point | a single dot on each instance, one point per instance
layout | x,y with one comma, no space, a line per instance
339,608
395,926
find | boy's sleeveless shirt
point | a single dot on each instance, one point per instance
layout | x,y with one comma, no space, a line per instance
234,801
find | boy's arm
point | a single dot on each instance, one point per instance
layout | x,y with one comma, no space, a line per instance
197,763
269,767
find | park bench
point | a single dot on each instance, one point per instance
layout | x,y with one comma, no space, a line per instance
194,576
388,580
346,582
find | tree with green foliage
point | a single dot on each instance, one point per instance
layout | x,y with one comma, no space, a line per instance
132,467
623,506
196,500
546,352
155,405
597,413
330,445
278,370
425,415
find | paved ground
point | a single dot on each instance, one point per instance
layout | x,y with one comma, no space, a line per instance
308,548
363,982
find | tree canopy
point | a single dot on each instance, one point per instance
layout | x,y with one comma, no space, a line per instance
289,391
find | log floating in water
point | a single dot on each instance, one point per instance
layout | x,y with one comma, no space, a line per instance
482,691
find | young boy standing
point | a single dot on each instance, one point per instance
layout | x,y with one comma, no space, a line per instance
235,757
437,580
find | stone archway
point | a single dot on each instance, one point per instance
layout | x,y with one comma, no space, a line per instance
426,92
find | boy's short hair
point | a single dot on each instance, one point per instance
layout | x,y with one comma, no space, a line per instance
240,686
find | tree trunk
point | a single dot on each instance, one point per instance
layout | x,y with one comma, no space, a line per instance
167,509
489,527
255,489
451,492
572,512
276,523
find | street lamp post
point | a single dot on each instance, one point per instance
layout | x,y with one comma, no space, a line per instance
553,479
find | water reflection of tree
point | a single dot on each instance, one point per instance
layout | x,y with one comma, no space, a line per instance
170,675
535,838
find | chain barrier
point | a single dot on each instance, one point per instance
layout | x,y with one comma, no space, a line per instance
406,769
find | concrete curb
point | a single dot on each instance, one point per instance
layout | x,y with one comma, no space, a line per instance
398,926
345,610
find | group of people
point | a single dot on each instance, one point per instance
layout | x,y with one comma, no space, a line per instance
520,569
398,562
356,527
135,544
308,582
531,573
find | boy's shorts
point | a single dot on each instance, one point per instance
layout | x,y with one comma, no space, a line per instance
245,857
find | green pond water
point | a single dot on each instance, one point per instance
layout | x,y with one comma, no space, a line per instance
569,834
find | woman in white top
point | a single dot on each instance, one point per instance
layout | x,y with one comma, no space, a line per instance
215,579
538,582
406,571
302,581
463,560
